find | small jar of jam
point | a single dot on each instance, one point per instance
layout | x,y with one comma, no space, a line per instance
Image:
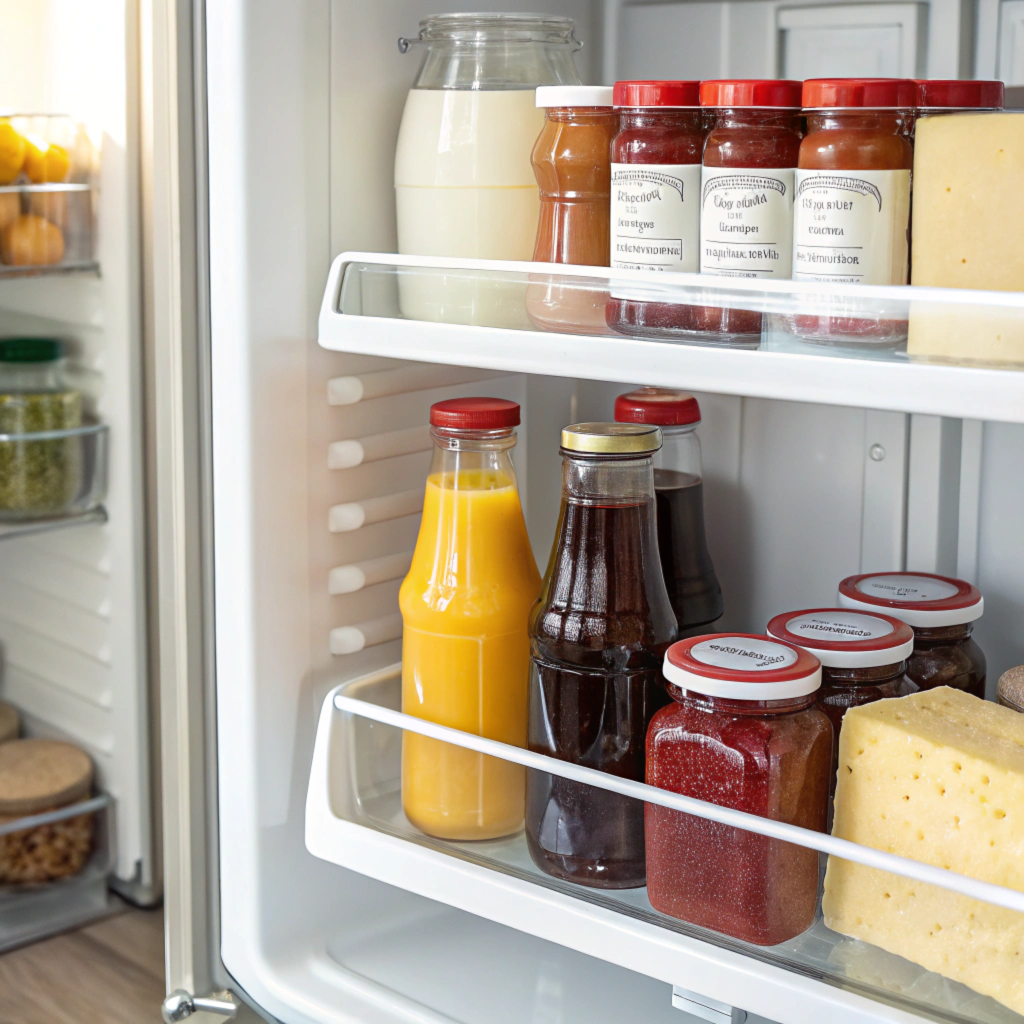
655,205
940,610
746,220
852,205
863,658
955,95
1010,690
743,731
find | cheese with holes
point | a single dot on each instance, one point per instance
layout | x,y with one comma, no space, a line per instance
967,223
939,777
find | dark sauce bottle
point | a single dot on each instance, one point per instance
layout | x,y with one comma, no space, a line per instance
693,587
597,637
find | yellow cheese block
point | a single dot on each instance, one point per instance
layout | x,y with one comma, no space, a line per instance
937,776
968,217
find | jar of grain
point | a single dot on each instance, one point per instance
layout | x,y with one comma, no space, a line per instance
36,776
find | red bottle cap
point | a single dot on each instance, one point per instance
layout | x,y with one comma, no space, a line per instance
839,638
954,94
920,599
880,93
475,414
751,92
662,406
742,666
656,94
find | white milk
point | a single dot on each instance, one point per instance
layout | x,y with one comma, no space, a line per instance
464,186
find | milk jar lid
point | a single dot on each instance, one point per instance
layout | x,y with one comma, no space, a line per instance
475,414
844,638
657,94
959,94
751,92
876,93
611,438
574,96
663,406
920,599
742,666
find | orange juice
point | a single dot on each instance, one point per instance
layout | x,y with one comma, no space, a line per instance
466,653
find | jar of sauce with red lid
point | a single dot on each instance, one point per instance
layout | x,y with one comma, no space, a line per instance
863,658
746,225
743,731
941,611
852,205
655,204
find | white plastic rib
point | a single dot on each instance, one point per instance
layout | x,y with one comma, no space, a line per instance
999,895
347,579
354,452
354,514
350,639
400,381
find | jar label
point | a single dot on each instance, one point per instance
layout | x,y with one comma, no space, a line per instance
840,627
907,588
851,226
746,222
743,654
655,217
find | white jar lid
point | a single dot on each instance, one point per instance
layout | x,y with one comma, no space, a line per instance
846,639
920,599
742,666
574,96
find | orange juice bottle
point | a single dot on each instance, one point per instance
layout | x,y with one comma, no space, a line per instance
465,606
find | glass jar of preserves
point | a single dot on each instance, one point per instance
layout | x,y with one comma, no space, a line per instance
571,164
655,204
693,586
597,637
1010,689
863,658
746,220
954,95
851,218
743,732
941,610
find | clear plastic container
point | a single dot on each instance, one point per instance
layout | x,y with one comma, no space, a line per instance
47,201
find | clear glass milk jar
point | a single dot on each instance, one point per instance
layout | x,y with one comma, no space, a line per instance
464,185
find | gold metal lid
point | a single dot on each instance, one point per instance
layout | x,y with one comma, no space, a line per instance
612,438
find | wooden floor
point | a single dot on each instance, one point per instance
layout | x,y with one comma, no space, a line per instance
111,972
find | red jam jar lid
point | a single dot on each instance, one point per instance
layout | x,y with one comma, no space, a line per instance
662,406
959,94
742,666
656,94
878,93
844,638
920,599
751,92
475,414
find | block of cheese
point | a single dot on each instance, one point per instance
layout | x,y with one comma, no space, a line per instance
968,217
939,777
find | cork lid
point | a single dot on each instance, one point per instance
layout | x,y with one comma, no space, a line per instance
38,774
10,722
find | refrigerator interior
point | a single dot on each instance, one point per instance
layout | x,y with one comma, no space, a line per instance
304,103
73,600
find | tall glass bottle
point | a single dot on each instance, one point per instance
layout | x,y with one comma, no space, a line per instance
693,586
597,637
465,605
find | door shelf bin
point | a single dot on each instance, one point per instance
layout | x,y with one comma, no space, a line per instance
384,305
354,818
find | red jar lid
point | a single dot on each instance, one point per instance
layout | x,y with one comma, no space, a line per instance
475,414
920,599
751,92
656,94
957,94
662,406
841,638
880,93
742,666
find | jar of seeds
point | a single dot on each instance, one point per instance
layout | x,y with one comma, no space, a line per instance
40,469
